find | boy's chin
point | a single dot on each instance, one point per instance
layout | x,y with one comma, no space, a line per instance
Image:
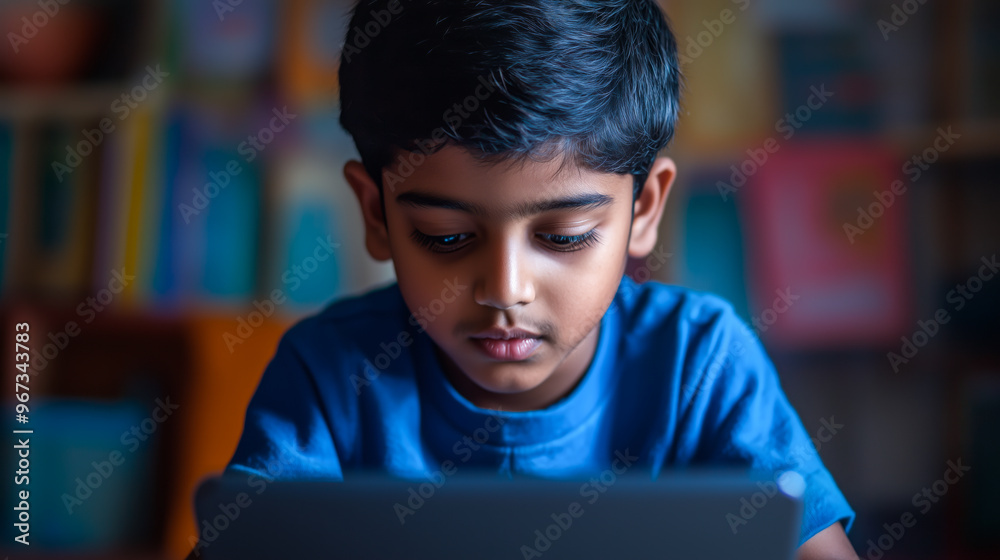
509,379
509,385
502,378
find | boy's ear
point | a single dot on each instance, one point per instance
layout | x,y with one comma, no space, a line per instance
649,207
376,233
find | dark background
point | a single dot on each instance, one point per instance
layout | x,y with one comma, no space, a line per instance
774,196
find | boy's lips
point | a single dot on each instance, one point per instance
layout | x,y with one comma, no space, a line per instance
510,350
507,345
499,333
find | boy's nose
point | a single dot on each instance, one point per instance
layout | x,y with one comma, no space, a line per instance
504,278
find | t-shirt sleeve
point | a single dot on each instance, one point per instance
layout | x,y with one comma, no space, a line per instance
286,434
734,412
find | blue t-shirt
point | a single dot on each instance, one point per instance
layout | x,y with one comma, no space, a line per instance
677,379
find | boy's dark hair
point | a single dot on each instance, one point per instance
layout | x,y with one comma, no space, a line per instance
594,80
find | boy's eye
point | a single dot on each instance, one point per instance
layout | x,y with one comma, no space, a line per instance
454,242
570,243
441,243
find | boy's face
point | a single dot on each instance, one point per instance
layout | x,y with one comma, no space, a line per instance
509,268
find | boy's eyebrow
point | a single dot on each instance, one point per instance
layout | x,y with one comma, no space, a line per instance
588,201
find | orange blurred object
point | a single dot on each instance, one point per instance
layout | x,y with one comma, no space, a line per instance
225,382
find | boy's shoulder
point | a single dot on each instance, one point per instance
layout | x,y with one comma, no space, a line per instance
681,332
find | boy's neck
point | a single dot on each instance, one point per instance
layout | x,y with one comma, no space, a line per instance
557,386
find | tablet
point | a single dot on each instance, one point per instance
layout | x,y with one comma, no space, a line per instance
482,516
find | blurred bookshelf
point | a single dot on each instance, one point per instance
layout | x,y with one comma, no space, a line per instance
170,171
746,70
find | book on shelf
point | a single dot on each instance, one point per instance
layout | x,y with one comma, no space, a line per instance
307,227
825,225
711,240
812,63
210,248
117,167
61,248
313,32
47,211
165,287
224,41
90,475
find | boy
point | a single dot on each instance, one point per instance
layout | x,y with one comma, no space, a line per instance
508,168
